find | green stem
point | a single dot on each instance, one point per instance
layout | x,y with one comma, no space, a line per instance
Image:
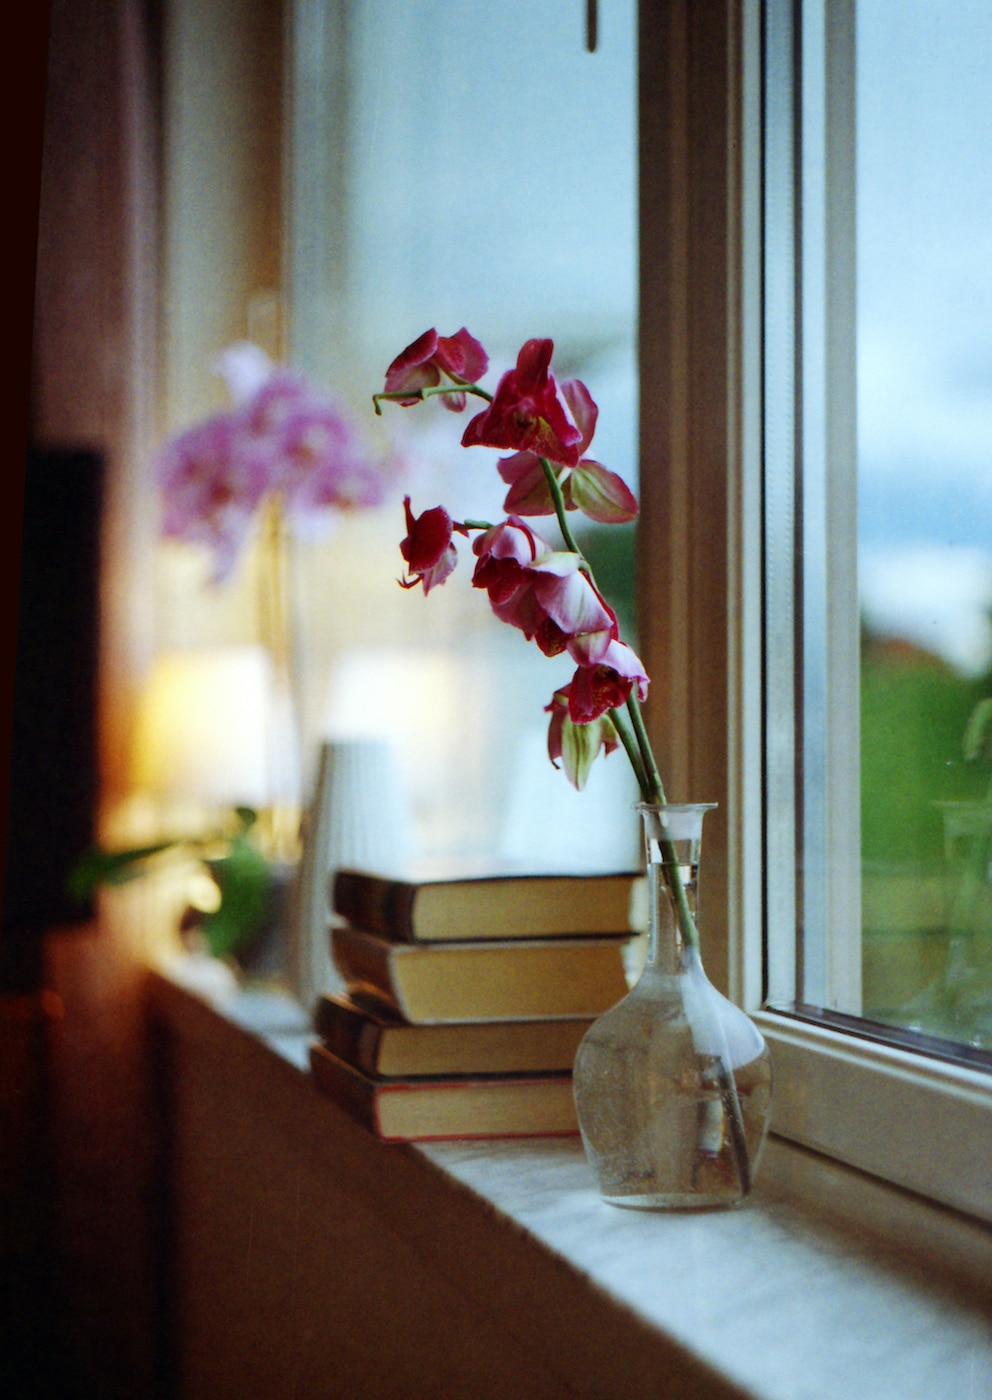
654,790
673,878
558,499
457,386
629,742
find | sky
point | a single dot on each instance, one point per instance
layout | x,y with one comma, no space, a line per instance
924,229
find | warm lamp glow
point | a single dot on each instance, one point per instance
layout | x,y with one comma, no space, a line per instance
205,727
422,702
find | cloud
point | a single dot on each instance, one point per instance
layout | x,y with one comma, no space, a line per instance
937,596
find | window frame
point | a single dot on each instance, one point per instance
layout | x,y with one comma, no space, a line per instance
893,1113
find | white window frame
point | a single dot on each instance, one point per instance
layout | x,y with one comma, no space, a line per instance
894,1113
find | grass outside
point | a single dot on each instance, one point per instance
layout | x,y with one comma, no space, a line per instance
914,710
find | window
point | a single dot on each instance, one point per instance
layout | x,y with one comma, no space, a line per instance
882,498
878,570
752,351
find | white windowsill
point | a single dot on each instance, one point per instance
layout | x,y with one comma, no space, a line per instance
825,1284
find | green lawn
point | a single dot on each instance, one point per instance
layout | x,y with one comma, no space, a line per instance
913,715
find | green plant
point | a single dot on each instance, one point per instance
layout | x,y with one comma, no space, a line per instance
243,875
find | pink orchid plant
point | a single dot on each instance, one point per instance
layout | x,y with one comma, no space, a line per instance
287,455
547,592
282,439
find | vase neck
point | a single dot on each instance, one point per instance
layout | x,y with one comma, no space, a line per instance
672,841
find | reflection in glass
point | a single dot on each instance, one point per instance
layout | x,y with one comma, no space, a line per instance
924,358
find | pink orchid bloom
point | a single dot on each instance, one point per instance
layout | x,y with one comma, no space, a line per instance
310,451
600,494
282,439
210,490
577,746
421,364
589,486
548,594
526,413
323,465
428,547
270,408
524,610
607,685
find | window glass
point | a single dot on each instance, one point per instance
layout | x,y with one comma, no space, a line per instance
924,383
878,269
464,165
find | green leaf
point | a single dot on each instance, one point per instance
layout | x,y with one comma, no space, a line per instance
99,867
246,885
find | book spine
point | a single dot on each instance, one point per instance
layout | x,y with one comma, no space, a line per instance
375,903
349,1090
365,962
348,1034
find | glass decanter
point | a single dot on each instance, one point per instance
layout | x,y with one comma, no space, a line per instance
673,1084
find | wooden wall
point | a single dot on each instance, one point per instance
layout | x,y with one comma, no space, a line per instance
311,1260
94,354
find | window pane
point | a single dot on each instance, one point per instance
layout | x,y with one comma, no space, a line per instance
924,356
878,283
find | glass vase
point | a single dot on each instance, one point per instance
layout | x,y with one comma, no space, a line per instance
673,1084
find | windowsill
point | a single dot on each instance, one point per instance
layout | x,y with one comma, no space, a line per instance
824,1284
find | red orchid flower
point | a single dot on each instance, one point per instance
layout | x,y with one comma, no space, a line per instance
505,553
552,601
428,547
421,364
526,413
590,487
548,594
571,601
606,685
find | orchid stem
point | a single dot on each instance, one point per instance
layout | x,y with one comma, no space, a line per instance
558,499
631,748
653,790
457,386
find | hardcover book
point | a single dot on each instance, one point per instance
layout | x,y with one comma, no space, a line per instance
509,981
371,1036
486,907
424,1109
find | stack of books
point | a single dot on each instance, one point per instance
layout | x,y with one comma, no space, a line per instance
466,998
